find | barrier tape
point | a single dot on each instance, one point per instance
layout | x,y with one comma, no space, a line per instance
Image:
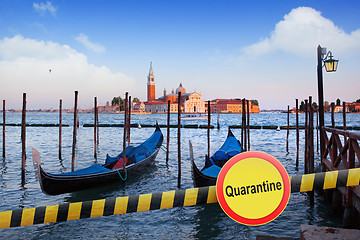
161,200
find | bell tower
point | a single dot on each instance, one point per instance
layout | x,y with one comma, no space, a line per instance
151,85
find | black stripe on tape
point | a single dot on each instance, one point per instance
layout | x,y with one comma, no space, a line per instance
319,181
86,209
109,207
296,183
202,196
63,212
132,204
39,215
16,218
342,178
155,201
179,198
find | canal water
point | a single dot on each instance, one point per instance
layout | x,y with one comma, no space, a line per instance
194,222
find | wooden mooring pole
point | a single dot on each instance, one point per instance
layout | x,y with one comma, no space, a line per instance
248,124
3,133
288,126
333,115
74,132
23,137
95,127
311,146
125,130
129,121
179,140
168,133
208,129
60,127
306,157
243,126
344,119
297,133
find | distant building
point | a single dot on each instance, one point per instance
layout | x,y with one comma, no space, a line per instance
190,102
232,106
151,85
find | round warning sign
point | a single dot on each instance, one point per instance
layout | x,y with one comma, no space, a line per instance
253,188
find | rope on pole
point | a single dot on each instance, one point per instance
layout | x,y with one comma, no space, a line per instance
160,200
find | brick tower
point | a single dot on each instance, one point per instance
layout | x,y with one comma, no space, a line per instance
151,85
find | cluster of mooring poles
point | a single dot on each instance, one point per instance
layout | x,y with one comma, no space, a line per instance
342,156
245,126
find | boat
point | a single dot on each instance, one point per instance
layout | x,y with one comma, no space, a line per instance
208,174
194,116
136,159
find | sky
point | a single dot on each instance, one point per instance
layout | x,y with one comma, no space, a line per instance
258,49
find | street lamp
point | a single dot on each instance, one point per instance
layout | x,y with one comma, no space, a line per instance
330,66
330,63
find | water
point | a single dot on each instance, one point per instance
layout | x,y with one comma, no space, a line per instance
194,222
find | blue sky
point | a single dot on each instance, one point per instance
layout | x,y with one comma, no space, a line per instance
264,50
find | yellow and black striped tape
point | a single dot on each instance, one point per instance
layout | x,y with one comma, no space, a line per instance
162,200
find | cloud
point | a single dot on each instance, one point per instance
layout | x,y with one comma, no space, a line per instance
25,64
301,31
42,8
83,39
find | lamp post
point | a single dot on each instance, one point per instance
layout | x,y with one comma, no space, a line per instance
330,66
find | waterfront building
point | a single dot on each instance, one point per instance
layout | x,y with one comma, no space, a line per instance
231,106
190,102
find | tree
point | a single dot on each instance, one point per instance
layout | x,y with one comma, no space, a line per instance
302,106
326,103
136,99
315,106
338,102
255,102
358,101
115,102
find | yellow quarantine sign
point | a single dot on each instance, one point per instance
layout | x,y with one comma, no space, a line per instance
253,188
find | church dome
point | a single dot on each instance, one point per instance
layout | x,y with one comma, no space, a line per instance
180,89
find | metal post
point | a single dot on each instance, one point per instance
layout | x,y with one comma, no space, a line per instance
321,104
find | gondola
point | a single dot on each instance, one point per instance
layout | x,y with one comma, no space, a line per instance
137,158
208,174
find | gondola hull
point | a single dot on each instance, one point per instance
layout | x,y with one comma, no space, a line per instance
100,175
54,185
200,179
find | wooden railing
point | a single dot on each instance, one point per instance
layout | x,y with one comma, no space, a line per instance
342,154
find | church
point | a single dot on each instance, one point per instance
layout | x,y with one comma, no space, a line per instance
189,102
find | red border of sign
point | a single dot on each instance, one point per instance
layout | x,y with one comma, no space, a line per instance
225,206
